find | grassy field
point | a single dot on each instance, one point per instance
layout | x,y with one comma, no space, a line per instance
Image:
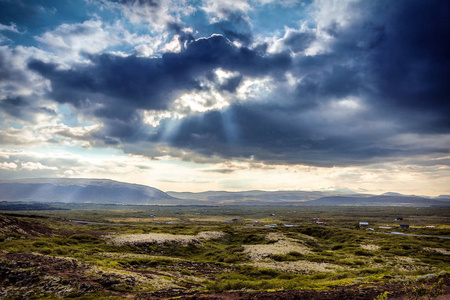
152,251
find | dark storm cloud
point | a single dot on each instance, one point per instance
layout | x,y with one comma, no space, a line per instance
121,85
275,134
13,106
231,84
23,108
329,77
411,67
397,64
298,41
151,83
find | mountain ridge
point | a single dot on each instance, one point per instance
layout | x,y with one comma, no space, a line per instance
86,190
80,190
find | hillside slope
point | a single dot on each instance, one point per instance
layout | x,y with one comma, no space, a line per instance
81,191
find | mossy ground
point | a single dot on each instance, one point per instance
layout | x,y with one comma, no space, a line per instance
321,257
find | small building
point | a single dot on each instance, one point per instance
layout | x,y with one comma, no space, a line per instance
384,227
370,229
363,223
404,226
399,219
430,227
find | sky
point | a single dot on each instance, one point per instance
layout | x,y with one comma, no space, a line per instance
228,94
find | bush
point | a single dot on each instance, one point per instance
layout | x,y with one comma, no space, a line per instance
295,254
185,272
259,273
287,257
363,253
85,238
39,244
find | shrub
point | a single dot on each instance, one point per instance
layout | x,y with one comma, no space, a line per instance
383,296
295,254
85,238
185,272
39,244
320,276
363,253
287,257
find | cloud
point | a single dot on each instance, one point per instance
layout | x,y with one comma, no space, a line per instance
222,171
223,10
71,40
113,88
297,40
279,136
380,78
75,163
411,65
8,166
159,14
357,83
11,27
13,74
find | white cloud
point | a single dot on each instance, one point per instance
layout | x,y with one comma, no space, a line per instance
72,161
255,88
31,166
340,13
157,13
71,40
301,41
144,50
174,45
8,166
12,27
219,10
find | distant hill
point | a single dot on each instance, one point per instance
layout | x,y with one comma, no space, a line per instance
102,191
222,197
76,190
382,200
314,198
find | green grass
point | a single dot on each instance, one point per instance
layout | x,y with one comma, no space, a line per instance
338,244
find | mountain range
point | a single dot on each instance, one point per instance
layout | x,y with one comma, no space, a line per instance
76,190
